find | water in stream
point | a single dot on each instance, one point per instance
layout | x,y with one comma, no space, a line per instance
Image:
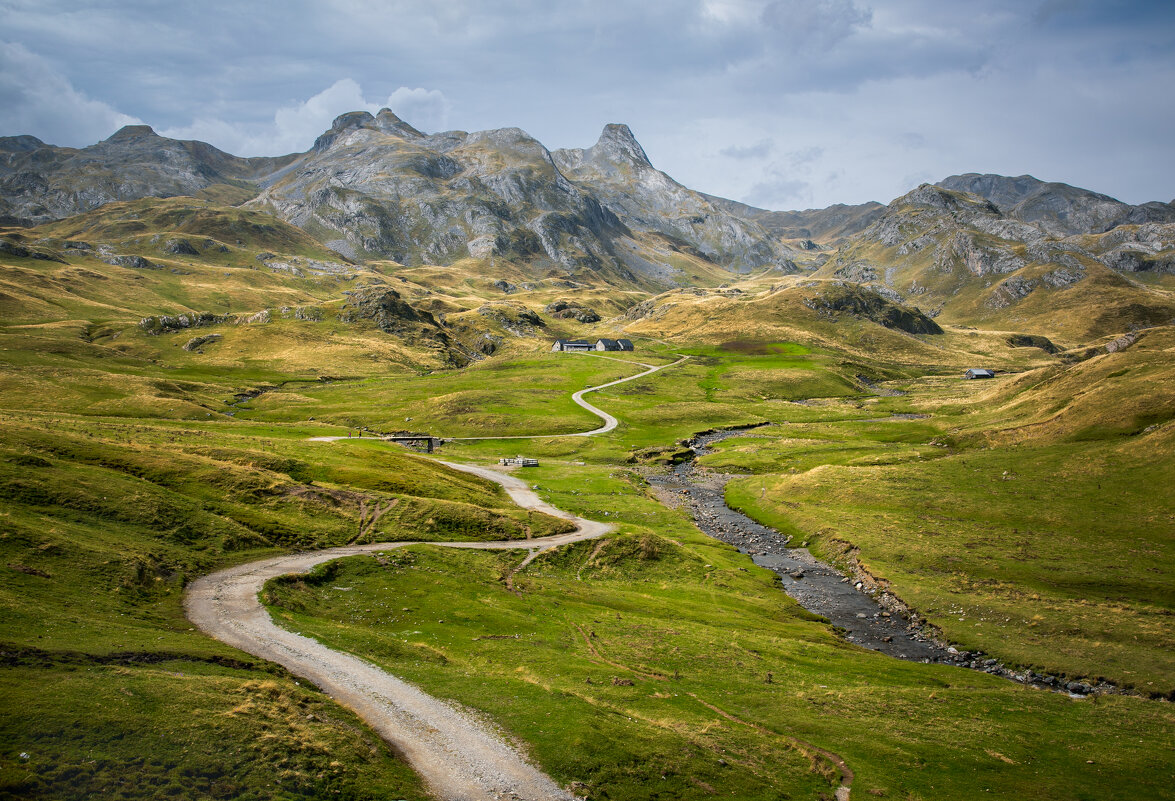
817,586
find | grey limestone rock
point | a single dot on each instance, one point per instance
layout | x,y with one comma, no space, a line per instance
180,247
1059,209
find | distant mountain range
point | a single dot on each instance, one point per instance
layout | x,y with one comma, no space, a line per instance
374,187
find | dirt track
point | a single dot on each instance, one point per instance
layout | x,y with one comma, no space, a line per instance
457,757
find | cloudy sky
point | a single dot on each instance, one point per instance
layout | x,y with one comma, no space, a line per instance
779,103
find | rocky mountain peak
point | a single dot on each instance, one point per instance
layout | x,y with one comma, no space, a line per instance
20,144
1059,209
942,199
617,145
387,121
1002,190
129,133
342,124
352,119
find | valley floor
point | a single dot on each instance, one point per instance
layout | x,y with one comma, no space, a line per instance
650,662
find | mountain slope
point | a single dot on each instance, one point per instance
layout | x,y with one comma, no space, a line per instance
617,169
957,254
825,225
40,182
1058,209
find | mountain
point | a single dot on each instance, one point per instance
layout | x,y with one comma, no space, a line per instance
40,183
958,254
500,204
619,172
1058,209
825,225
375,186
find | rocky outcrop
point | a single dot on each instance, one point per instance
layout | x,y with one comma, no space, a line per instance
833,299
566,310
11,248
40,182
617,169
132,261
1058,209
180,247
514,318
195,343
388,190
168,323
385,308
1033,341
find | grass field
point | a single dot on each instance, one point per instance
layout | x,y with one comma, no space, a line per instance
716,703
1027,516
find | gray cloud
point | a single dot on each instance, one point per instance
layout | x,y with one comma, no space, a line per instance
759,150
805,156
37,98
814,25
778,192
886,89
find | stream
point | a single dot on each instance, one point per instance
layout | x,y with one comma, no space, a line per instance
868,617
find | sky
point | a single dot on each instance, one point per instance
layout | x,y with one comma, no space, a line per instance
783,104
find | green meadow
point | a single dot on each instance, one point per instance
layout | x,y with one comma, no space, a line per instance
1025,516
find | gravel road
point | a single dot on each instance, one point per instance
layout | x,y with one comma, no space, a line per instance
459,758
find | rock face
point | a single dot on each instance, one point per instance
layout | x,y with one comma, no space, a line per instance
831,300
823,225
565,310
617,169
955,252
1058,209
388,190
40,182
374,186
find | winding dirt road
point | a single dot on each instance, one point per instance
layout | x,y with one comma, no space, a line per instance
610,422
458,758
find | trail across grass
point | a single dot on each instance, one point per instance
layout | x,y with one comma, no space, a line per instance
454,754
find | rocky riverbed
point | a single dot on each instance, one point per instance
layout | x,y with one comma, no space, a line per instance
868,614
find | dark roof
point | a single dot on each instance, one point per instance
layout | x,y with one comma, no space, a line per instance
607,341
625,343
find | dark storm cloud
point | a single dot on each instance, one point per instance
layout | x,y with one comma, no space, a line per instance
883,90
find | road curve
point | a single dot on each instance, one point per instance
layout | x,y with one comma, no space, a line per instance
610,422
458,758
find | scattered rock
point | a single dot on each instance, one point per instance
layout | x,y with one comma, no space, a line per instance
572,311
180,247
196,342
166,323
1032,341
133,262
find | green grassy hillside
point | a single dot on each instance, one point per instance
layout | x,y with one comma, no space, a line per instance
155,423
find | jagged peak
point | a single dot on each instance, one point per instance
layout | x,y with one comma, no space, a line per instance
945,199
128,132
387,121
352,119
617,143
